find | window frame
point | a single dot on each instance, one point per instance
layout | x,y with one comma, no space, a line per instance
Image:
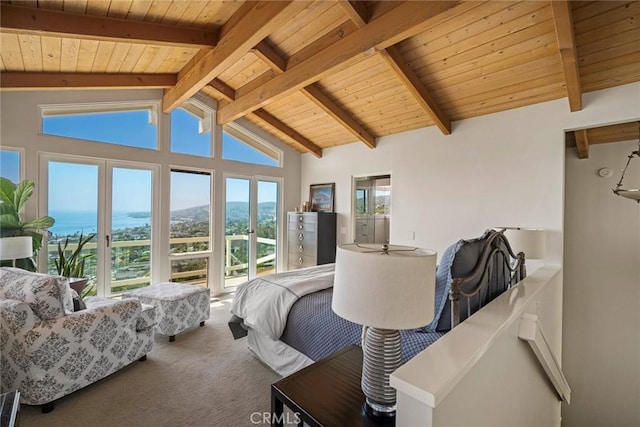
152,107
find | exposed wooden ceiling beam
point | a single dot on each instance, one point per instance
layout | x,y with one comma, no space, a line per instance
614,133
415,87
405,20
31,20
582,143
223,89
356,11
316,95
269,55
563,23
252,22
48,81
359,14
290,132
305,144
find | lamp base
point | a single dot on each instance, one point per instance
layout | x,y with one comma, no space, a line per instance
382,355
383,412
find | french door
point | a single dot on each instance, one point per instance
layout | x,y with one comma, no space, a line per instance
252,218
112,201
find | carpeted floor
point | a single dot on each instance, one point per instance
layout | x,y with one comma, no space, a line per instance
204,378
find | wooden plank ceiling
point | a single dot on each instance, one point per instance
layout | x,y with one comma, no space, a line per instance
318,74
583,138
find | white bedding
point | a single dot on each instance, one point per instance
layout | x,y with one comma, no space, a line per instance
277,355
264,303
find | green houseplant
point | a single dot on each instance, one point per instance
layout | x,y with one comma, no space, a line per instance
70,263
14,197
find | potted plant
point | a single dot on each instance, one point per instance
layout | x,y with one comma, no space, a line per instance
70,263
14,197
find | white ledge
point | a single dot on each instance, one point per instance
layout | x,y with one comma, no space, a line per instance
431,375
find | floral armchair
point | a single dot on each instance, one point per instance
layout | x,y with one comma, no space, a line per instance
48,351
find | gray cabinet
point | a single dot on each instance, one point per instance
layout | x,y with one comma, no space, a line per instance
312,239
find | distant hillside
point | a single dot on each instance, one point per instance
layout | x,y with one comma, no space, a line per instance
195,214
234,210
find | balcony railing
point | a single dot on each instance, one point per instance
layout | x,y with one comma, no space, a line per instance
231,264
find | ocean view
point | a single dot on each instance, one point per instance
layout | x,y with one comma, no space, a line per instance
74,222
71,222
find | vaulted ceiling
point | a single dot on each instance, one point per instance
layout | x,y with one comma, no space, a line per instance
318,74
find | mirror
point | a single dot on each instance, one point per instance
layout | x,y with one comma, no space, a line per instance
372,208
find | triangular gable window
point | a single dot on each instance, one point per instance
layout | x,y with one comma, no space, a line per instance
242,145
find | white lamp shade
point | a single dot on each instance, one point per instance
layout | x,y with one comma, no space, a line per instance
16,247
530,241
386,291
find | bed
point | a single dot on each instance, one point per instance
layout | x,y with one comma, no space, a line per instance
289,324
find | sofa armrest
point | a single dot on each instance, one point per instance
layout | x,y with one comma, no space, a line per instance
124,313
16,318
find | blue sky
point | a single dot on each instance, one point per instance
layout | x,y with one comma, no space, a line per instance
131,186
10,165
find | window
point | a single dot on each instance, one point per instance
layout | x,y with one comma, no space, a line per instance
190,211
123,124
243,146
10,165
191,130
191,271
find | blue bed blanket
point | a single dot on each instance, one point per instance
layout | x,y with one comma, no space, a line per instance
316,331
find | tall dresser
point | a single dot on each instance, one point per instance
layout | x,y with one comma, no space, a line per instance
312,239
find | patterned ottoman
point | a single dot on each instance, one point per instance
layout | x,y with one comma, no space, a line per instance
178,306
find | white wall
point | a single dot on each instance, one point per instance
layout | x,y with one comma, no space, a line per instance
602,290
503,169
20,124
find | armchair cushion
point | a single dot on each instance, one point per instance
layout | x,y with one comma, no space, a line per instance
49,296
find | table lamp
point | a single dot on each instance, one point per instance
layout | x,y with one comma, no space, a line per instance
384,288
529,242
14,248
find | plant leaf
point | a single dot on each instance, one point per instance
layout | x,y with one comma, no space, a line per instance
41,223
23,191
7,208
9,221
7,189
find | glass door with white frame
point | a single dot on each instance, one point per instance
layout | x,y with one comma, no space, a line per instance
190,225
251,229
267,228
72,199
129,242
112,202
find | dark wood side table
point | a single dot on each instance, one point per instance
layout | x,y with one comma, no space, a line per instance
326,393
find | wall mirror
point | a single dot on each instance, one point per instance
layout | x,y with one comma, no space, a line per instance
372,209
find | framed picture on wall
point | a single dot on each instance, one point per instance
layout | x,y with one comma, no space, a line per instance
321,197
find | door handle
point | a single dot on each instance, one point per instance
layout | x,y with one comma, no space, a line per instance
250,231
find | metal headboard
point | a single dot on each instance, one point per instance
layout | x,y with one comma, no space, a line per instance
496,270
